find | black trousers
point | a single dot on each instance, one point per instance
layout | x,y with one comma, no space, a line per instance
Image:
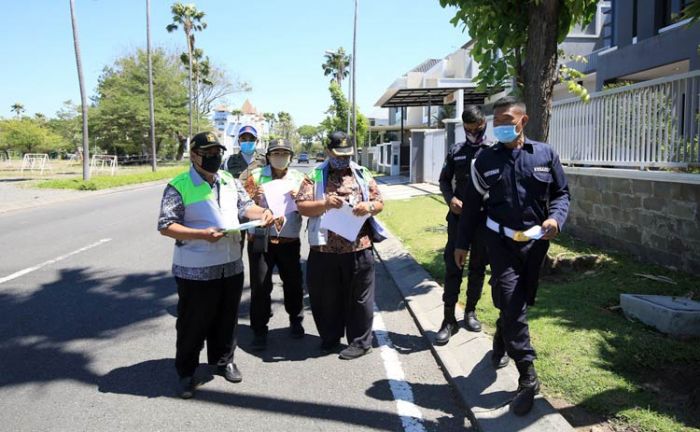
515,268
206,311
286,257
341,291
478,259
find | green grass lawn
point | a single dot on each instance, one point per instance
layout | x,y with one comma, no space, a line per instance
122,178
589,354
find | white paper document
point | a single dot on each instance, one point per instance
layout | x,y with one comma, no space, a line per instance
242,227
535,233
278,194
342,222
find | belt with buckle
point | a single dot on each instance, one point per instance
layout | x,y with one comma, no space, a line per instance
518,236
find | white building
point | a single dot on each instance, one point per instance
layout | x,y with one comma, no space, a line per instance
228,124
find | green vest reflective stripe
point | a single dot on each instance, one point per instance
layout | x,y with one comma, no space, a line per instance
204,210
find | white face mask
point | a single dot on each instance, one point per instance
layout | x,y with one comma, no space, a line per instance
279,162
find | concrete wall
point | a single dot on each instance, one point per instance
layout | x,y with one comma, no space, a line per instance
652,215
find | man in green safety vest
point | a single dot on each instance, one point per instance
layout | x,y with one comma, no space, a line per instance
198,206
277,246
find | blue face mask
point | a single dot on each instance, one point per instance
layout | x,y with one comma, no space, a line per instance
247,147
505,134
339,163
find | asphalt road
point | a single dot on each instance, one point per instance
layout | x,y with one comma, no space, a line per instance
87,337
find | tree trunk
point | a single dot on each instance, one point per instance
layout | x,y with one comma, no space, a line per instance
151,108
189,96
540,67
83,96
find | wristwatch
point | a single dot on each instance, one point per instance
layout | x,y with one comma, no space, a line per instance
371,207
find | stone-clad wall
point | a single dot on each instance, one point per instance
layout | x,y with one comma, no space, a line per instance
652,215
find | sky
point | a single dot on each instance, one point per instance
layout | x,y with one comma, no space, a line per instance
275,45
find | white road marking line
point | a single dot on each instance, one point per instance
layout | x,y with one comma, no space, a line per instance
411,416
52,261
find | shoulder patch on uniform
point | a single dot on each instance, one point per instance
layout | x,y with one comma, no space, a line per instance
492,172
542,169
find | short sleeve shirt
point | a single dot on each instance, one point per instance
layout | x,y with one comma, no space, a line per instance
343,184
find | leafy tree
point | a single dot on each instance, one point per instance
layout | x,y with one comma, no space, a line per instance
191,20
308,134
121,118
336,65
270,119
29,136
516,38
17,108
338,115
67,124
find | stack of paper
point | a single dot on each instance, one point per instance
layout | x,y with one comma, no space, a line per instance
343,222
278,194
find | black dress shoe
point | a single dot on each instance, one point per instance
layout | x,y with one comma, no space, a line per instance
471,322
446,331
296,330
230,372
525,398
499,361
499,358
259,342
352,352
528,387
185,388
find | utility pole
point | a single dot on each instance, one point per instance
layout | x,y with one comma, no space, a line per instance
354,67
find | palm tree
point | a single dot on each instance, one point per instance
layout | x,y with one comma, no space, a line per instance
151,107
237,113
190,19
336,65
270,119
17,108
83,96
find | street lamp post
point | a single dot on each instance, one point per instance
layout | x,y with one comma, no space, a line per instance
354,66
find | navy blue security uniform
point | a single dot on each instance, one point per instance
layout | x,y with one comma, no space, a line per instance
454,178
521,188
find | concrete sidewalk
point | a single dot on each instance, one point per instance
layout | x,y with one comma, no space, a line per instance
398,187
486,392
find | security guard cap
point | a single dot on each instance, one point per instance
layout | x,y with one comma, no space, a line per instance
279,144
340,144
205,140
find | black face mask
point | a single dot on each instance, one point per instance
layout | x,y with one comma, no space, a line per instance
211,164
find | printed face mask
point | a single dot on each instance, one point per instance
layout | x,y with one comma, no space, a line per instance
338,163
477,137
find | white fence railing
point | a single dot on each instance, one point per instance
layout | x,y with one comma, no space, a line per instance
651,124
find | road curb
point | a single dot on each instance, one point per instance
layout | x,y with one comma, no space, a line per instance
484,391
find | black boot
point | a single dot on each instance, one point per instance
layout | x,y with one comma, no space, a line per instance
448,328
528,387
471,322
499,358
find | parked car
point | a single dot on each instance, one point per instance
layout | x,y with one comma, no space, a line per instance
303,158
320,157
